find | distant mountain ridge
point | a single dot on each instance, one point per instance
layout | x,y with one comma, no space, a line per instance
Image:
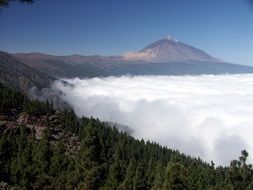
166,56
162,51
163,57
70,65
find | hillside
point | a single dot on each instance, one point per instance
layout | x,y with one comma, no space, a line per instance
99,66
42,148
166,56
68,66
18,75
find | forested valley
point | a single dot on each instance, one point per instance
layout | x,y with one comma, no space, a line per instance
44,148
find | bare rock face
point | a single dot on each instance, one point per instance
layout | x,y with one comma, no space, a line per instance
169,50
23,118
36,126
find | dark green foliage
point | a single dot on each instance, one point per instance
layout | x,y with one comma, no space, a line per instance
176,177
58,162
105,159
42,155
6,2
10,99
13,101
139,180
159,177
128,182
241,174
36,108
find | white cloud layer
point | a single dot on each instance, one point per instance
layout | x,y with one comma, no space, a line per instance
206,116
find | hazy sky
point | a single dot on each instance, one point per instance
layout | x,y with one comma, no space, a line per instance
223,28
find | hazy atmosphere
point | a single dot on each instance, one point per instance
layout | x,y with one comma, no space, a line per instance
207,116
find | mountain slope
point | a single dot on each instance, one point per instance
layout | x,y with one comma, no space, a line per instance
169,50
44,149
68,66
96,66
18,75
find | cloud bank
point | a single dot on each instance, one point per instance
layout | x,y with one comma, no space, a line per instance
207,116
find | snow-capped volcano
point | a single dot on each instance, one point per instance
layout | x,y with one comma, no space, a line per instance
169,50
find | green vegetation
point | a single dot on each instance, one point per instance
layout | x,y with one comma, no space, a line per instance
6,2
102,157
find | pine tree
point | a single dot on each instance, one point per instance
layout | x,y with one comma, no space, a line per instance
89,157
240,173
5,3
114,176
159,177
42,154
21,167
150,173
5,154
176,177
139,179
129,177
58,159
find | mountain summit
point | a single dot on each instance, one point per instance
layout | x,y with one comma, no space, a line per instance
169,50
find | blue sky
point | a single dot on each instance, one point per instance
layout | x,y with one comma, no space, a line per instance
223,28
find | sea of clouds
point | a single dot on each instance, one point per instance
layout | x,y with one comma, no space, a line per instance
207,116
